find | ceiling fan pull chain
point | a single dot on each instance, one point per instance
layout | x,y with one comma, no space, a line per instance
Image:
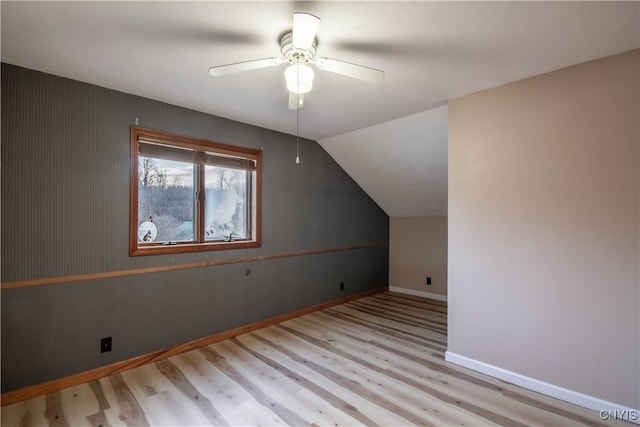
298,117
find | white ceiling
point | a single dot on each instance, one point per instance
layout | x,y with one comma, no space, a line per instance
431,52
406,175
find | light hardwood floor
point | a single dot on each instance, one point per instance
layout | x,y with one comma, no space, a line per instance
374,361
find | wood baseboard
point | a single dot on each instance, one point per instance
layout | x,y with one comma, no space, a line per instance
30,392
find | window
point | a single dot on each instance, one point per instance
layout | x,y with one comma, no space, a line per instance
192,195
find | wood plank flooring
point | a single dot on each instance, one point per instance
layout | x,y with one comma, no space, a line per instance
377,361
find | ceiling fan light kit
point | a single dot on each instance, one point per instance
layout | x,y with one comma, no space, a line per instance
299,78
298,48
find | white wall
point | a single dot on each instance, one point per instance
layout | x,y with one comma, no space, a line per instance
417,249
544,228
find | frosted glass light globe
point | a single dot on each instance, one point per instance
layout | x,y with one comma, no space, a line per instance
304,72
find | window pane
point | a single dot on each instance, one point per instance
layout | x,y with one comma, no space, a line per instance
166,196
225,211
193,191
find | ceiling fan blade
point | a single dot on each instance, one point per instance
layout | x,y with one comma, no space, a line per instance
348,69
244,66
296,101
305,27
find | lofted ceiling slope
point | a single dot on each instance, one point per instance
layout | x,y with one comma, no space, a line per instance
431,52
406,176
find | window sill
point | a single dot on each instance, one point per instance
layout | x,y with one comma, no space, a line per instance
158,249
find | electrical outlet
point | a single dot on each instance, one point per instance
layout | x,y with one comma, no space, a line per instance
342,286
105,344
428,280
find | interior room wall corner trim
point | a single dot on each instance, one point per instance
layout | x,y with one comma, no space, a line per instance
584,400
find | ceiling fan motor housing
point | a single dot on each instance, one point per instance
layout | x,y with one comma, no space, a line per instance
294,55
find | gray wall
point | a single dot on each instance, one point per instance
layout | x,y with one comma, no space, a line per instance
65,211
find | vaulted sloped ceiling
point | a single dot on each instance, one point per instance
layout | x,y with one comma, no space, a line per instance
402,163
390,137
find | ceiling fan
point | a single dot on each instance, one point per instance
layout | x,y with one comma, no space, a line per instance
298,48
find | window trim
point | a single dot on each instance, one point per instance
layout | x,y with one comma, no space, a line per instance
139,134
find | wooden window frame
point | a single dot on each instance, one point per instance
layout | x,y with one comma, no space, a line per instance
199,149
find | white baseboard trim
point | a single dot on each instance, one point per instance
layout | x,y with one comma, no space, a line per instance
417,293
607,410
